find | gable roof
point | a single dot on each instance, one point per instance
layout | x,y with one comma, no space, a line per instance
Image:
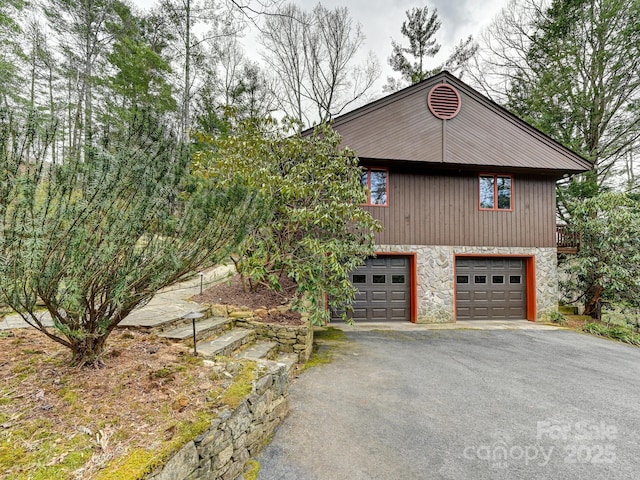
483,135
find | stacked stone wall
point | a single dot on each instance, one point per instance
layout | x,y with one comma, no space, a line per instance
236,435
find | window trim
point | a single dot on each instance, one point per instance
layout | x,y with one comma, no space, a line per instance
368,172
495,192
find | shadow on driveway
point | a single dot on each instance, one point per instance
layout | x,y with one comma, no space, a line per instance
463,404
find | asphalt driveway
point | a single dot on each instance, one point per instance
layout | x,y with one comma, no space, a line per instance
464,404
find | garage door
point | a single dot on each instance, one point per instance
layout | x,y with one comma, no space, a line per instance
491,288
384,289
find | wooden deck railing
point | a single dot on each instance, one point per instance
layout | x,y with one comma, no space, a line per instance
566,240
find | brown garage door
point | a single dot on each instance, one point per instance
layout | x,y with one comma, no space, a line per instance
384,289
491,288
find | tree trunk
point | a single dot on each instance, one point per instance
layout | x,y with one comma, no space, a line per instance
593,306
88,351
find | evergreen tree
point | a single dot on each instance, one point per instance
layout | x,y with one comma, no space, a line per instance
420,29
94,240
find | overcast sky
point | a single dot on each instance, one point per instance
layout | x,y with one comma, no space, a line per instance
381,21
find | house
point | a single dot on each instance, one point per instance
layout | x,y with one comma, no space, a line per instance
465,191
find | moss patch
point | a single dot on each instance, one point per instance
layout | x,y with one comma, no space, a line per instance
252,470
242,385
329,334
325,342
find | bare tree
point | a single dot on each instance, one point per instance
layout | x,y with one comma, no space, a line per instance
313,56
570,69
330,48
283,38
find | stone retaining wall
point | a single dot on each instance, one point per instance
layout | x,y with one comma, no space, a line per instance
290,338
236,436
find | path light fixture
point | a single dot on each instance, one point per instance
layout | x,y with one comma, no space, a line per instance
193,316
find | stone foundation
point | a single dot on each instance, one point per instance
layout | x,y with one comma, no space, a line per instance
435,266
223,450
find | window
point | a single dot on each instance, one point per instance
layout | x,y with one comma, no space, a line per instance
397,278
480,279
359,278
379,279
497,279
376,181
496,192
462,279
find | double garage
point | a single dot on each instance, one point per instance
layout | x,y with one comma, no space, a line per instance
485,288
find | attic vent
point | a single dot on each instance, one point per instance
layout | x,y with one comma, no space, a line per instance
444,101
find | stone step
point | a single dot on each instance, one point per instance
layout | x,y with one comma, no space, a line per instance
227,343
259,351
161,319
204,329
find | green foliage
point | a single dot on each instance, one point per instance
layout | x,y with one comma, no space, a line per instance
10,50
557,317
315,231
95,239
607,266
580,83
138,82
420,29
621,333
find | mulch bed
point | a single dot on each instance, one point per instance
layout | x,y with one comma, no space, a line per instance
232,292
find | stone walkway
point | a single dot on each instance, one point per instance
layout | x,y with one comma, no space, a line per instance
171,302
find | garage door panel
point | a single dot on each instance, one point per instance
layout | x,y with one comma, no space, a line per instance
398,296
384,289
378,296
463,295
498,296
359,313
398,262
490,288
480,296
398,313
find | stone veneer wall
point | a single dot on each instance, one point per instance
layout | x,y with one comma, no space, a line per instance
236,436
435,265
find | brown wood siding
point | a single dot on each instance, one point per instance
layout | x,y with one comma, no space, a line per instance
383,133
478,136
400,127
443,210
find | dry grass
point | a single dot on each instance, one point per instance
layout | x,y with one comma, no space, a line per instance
59,422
